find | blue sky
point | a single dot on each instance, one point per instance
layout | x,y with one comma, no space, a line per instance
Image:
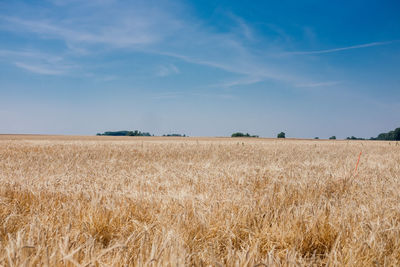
203,68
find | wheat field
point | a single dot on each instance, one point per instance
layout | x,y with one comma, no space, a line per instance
108,201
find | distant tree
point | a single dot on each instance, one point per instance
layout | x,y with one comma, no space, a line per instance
396,134
332,137
354,138
117,133
175,135
389,136
316,137
125,133
281,135
239,134
392,135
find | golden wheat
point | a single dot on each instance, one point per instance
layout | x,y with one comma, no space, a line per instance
101,201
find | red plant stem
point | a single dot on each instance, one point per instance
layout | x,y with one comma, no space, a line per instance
358,161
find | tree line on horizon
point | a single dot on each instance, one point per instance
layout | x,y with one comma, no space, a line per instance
124,133
239,134
135,133
389,136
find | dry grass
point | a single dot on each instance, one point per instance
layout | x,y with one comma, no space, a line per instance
73,201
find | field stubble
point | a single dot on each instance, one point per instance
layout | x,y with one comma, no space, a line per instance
74,201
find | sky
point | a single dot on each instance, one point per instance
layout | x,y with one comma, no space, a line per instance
201,68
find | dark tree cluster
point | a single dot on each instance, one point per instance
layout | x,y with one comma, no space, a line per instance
354,138
281,135
125,133
238,134
390,136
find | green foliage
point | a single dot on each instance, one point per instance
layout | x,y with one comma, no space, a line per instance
316,137
281,135
332,137
392,135
174,134
354,138
239,134
125,133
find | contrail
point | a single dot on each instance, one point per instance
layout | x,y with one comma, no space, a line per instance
342,48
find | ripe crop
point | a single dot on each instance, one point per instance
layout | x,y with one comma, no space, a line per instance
94,201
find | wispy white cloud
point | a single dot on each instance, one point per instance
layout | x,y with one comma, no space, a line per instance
166,70
69,2
244,29
319,84
326,51
37,62
39,69
242,81
250,70
158,30
128,32
31,54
